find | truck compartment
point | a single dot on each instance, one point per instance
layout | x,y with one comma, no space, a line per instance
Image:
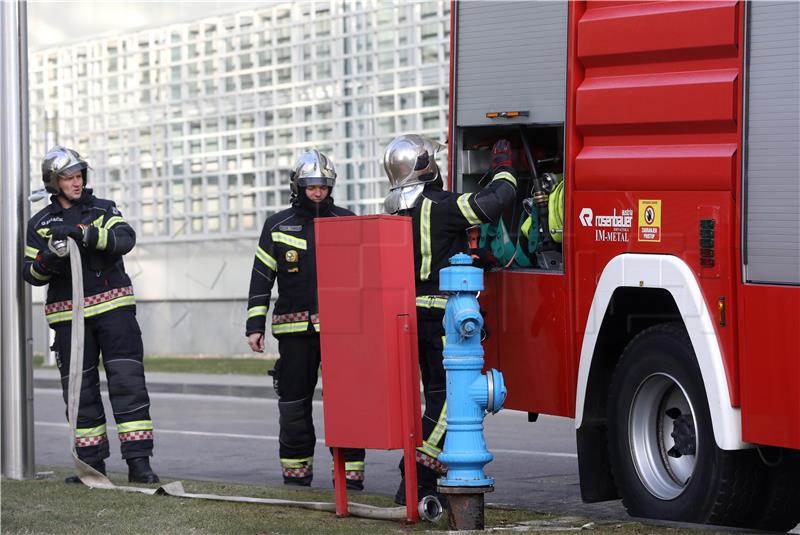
544,144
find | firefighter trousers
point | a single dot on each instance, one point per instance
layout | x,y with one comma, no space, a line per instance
294,378
116,335
430,335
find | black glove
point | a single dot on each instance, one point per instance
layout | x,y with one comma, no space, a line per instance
48,262
482,258
501,155
61,232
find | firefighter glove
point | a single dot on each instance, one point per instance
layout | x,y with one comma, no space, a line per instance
482,258
501,154
62,232
48,262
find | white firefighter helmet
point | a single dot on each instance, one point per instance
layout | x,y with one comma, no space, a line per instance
312,168
410,163
58,161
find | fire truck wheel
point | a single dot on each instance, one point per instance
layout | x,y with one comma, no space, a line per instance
781,495
665,461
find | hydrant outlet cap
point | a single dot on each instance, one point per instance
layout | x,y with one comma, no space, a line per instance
461,259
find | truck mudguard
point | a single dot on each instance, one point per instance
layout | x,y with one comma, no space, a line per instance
672,274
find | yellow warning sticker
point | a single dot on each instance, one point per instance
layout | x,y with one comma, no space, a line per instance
649,220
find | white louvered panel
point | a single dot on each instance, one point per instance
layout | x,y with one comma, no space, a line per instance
772,245
511,56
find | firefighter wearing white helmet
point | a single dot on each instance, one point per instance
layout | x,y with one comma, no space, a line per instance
286,254
440,220
110,326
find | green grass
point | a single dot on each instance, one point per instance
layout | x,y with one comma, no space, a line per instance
48,506
215,365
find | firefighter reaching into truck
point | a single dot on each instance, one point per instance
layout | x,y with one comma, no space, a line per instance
440,220
110,325
286,253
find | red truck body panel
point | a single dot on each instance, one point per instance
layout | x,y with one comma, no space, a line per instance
654,112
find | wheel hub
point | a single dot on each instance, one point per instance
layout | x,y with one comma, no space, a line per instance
682,433
662,435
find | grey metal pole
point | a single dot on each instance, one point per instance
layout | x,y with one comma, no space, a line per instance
15,297
50,137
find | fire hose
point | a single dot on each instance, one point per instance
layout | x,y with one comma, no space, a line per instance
429,507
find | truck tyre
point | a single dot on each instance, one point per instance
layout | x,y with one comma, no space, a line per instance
664,458
780,510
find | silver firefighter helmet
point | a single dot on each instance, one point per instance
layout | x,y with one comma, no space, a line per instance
312,168
410,164
58,161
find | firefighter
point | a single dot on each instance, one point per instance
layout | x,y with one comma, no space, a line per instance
440,220
286,253
110,324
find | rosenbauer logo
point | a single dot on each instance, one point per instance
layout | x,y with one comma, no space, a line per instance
586,217
612,228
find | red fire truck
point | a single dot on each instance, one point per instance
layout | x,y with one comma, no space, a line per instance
667,321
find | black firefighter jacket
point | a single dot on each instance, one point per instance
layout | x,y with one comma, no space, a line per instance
106,286
440,220
286,252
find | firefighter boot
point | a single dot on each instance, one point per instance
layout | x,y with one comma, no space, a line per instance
100,466
139,471
354,484
422,491
304,481
351,484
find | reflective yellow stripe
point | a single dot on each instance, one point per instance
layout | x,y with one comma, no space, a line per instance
102,239
505,175
84,432
441,425
466,209
138,425
425,240
429,444
39,276
98,222
316,327
252,312
297,327
289,240
94,310
31,252
526,226
354,465
297,463
266,259
113,221
43,232
431,301
430,451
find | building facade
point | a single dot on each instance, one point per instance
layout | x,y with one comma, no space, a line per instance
192,129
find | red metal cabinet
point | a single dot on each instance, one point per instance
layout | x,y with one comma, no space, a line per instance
365,276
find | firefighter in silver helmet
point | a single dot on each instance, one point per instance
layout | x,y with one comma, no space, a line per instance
110,326
440,220
286,253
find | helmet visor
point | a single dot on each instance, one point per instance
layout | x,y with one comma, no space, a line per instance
305,181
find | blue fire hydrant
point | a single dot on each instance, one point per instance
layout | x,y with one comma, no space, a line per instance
470,395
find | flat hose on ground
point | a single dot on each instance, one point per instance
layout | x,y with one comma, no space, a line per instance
94,479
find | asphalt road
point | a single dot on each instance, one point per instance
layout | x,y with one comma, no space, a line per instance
236,440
